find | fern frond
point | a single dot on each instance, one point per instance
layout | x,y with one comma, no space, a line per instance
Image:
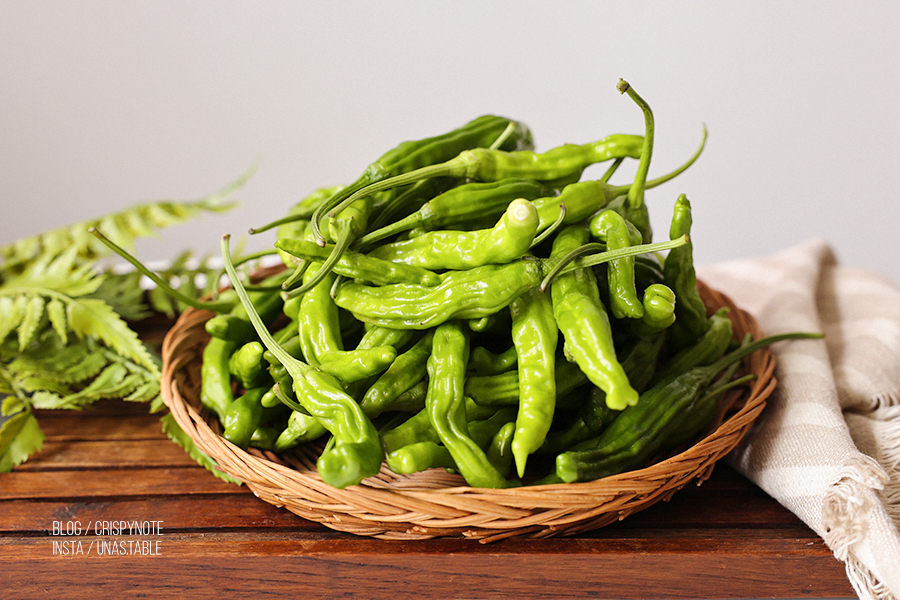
60,273
91,317
67,365
124,294
12,308
147,391
56,314
20,437
43,382
123,227
34,311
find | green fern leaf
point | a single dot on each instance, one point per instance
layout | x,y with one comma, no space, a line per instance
90,317
43,382
34,310
123,293
72,365
11,405
60,273
12,310
108,384
176,434
20,437
147,391
56,312
46,399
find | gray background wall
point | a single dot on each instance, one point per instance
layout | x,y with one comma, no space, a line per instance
105,104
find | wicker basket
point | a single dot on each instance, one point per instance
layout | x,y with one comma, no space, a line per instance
436,503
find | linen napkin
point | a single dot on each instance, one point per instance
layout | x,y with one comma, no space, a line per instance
827,446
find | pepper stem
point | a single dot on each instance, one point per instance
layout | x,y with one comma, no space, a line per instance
553,226
341,244
331,209
599,255
295,368
221,306
634,201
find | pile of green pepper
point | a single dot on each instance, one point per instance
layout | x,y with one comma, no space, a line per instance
471,304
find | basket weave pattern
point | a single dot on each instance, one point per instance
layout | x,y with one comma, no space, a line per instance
436,503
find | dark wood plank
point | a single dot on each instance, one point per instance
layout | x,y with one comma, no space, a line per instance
239,564
77,426
111,483
79,454
195,512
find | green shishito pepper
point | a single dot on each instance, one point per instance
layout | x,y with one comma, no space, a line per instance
585,325
470,294
509,239
346,226
354,451
640,430
462,205
612,229
446,406
216,390
678,270
535,337
364,267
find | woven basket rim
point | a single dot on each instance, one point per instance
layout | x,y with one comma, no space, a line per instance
435,503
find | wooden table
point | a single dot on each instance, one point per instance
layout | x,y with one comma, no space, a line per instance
65,518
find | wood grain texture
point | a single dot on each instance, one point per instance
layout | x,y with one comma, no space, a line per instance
112,465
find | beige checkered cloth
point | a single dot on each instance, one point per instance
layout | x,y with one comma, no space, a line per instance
827,447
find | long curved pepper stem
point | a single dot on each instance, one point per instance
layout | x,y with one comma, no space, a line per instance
213,306
503,136
483,164
553,226
346,228
597,255
276,223
634,202
296,276
328,210
611,170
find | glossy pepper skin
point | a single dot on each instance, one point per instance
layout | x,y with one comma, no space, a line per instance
318,322
469,294
246,365
639,361
611,228
510,238
467,203
640,430
446,406
502,389
355,450
584,324
558,166
711,346
691,318
244,416
491,434
659,304
349,222
481,132
404,372
216,390
365,267
535,336
235,325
